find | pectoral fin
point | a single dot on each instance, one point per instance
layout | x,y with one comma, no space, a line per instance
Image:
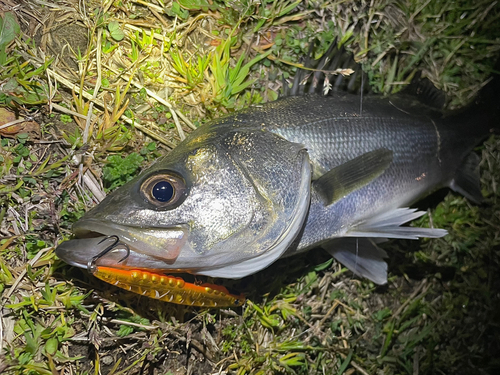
361,256
353,175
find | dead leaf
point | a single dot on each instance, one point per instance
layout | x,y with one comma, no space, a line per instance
30,127
6,116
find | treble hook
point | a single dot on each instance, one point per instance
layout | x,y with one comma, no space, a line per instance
91,265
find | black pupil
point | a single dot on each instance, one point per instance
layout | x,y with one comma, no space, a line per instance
163,191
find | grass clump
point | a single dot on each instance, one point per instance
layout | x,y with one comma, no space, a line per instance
120,170
21,83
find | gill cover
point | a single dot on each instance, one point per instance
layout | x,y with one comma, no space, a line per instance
278,174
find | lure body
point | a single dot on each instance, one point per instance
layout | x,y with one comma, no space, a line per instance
169,288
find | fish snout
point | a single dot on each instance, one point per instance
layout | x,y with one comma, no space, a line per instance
133,247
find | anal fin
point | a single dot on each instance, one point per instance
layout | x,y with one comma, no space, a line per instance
388,225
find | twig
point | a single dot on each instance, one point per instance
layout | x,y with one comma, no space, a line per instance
137,325
149,133
359,368
171,29
88,96
151,7
60,108
158,15
330,311
12,123
96,88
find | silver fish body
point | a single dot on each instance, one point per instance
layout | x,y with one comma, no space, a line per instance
283,177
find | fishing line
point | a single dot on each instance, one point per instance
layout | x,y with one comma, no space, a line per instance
362,89
357,254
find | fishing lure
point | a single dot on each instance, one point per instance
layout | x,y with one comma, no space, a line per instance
168,288
158,286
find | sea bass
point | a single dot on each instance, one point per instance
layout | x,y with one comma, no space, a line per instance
280,178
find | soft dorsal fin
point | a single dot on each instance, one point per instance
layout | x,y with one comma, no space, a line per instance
425,92
353,175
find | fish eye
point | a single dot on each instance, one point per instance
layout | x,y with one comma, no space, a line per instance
165,190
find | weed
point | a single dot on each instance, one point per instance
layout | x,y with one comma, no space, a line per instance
177,10
227,82
115,31
120,170
193,74
111,135
66,119
9,29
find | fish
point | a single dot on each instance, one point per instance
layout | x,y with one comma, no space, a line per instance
281,178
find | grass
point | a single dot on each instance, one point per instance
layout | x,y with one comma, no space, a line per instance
130,80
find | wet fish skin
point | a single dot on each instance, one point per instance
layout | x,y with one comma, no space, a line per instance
255,181
428,151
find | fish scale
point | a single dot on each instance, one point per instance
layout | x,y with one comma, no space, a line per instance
337,139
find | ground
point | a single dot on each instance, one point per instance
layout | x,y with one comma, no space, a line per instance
99,97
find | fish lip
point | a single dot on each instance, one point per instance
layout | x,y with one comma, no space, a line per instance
159,253
85,228
88,228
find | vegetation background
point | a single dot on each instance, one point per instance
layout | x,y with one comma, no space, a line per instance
93,91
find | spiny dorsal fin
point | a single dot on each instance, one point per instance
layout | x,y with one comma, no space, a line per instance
466,182
353,175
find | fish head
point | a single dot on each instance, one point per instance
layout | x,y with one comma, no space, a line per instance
226,202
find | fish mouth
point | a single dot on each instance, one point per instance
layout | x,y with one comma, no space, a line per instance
135,247
118,255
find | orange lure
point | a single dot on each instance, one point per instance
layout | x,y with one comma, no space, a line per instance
169,288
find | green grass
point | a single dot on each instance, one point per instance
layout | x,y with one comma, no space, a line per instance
128,87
